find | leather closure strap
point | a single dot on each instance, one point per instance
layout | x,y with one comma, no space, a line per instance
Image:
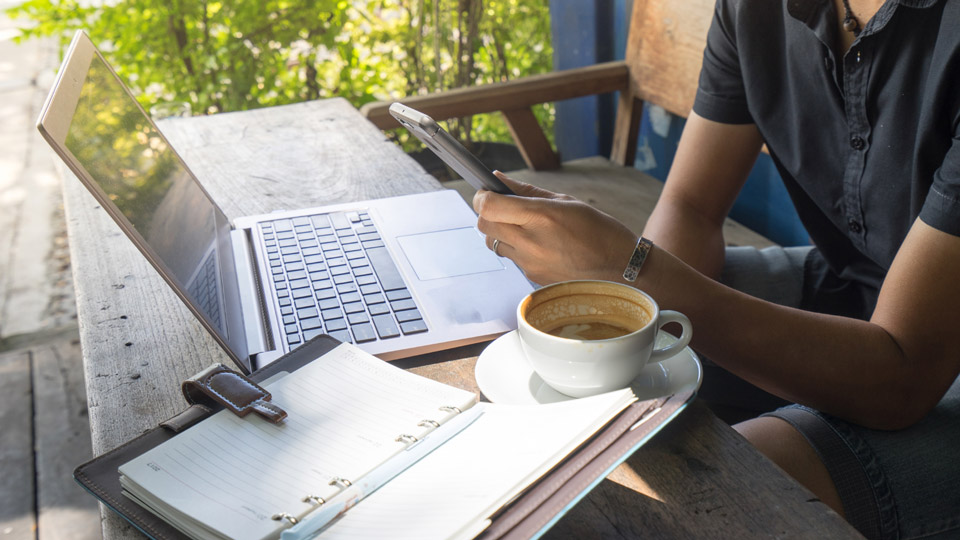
220,385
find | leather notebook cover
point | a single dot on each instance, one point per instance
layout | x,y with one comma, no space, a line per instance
527,516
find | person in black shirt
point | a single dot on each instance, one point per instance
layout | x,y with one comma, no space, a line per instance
858,102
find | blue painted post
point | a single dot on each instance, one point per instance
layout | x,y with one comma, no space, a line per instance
582,36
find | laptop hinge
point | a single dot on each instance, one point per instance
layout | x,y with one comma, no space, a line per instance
251,301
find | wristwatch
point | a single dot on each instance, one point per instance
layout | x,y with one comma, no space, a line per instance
640,253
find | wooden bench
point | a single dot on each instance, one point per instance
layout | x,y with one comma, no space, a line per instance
664,53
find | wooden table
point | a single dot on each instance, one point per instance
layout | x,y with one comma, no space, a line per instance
697,478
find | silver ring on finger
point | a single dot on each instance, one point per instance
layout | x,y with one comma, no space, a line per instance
496,245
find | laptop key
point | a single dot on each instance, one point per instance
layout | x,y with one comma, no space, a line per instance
357,318
286,310
310,334
413,327
289,319
336,324
378,309
389,276
370,244
342,279
324,294
364,332
339,270
386,326
365,279
301,303
409,315
376,298
369,289
313,259
299,283
350,297
293,339
328,303
399,294
353,307
301,293
308,313
333,313
310,324
320,221
403,305
291,329
339,220
342,336
346,287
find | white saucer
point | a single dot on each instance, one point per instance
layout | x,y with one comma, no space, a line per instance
505,376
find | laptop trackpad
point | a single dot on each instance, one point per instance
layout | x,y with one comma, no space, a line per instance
454,252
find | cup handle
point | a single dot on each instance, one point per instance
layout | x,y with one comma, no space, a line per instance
668,316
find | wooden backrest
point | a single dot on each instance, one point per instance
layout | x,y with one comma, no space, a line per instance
664,53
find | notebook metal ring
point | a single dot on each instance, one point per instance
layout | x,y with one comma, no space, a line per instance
428,423
315,499
342,482
283,515
406,438
450,408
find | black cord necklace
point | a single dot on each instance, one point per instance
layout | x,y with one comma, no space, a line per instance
850,23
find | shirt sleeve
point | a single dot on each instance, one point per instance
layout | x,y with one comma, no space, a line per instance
941,209
721,95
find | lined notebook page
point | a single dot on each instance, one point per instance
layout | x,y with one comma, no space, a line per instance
345,411
451,492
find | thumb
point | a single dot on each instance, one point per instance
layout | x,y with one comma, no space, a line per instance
523,189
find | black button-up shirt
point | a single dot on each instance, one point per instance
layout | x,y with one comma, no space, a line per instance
865,140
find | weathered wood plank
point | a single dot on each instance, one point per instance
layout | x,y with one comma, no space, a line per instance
524,92
138,339
674,488
623,192
62,441
17,491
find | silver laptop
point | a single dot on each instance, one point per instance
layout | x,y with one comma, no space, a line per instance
397,276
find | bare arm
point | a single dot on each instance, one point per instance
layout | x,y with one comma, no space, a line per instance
885,373
711,165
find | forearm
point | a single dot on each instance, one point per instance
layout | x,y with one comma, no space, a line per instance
852,369
685,233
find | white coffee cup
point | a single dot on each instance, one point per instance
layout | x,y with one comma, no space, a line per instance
588,337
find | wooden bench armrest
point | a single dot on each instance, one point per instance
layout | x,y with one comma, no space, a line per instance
508,96
514,99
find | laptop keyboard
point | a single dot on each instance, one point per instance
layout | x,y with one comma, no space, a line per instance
332,274
204,289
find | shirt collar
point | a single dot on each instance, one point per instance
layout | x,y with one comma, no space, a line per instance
815,14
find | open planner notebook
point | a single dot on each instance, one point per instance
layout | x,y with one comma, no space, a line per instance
351,418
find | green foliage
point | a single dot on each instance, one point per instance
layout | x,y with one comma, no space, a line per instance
210,56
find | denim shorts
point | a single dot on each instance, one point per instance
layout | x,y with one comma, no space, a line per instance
893,484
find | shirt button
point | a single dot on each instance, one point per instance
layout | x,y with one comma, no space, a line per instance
857,143
854,226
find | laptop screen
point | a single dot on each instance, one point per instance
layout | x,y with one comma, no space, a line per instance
135,167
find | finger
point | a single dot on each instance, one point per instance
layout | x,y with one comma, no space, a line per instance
510,209
523,189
